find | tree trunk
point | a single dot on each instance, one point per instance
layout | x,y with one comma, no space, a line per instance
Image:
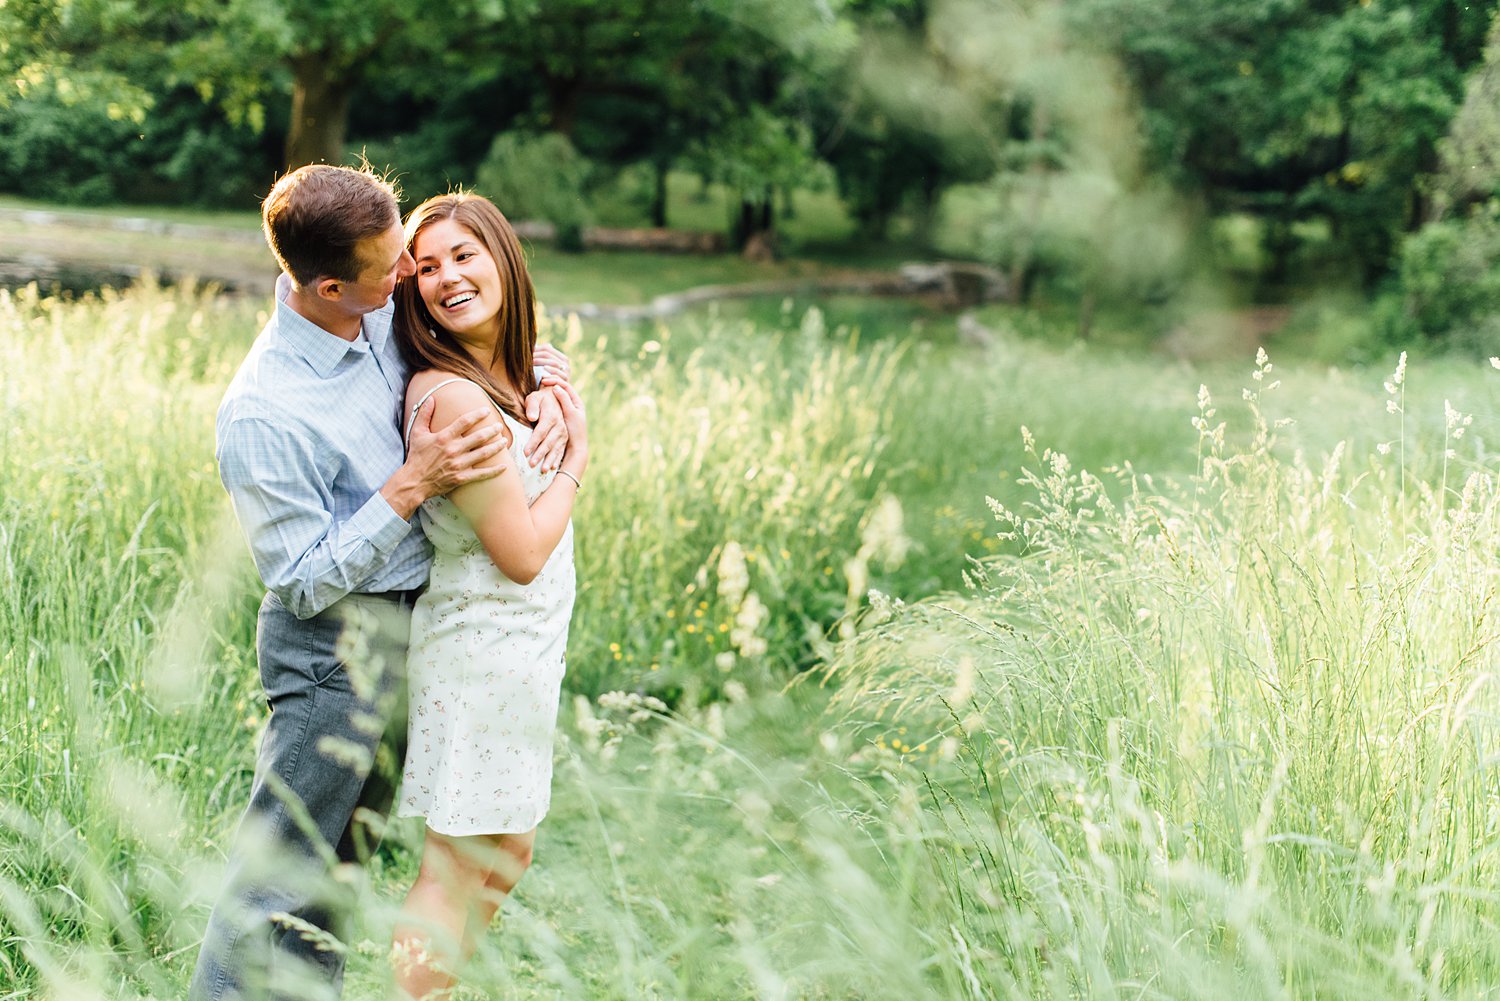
745,227
659,197
1021,273
1086,308
925,217
754,235
320,112
563,96
1278,243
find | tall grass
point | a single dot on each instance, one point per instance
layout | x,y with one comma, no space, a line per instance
732,470
1225,732
1227,736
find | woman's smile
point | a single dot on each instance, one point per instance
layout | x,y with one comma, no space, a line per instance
458,279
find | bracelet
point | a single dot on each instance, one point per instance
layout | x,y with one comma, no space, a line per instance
576,482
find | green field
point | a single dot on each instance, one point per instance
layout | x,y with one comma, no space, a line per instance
1200,705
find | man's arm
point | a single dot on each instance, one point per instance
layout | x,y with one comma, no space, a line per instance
277,488
280,496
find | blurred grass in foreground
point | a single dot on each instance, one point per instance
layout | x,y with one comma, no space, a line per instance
1221,733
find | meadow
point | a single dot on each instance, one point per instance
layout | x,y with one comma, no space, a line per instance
900,669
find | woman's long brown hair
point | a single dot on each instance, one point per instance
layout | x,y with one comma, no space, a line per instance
425,344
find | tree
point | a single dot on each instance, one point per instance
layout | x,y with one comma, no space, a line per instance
895,123
1297,109
97,107
238,53
1469,170
717,83
324,49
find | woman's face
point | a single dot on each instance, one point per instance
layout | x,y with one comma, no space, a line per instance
458,280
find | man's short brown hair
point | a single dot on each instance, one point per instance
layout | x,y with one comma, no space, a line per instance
315,217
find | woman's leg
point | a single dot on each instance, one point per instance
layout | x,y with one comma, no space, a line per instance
461,885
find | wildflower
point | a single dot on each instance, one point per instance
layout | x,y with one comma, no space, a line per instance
1398,376
734,575
1263,368
755,810
813,326
638,707
713,721
1495,362
884,537
1457,422
747,622
589,726
963,682
882,605
735,692
725,661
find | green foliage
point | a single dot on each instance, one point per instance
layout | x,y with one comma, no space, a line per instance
81,150
1470,168
1296,110
423,161
1449,281
63,151
756,154
539,177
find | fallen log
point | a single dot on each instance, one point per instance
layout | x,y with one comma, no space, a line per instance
931,281
658,240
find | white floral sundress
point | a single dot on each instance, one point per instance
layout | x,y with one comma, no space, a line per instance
485,672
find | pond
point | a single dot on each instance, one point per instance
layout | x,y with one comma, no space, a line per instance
58,277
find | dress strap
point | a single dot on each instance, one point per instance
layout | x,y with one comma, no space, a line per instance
412,419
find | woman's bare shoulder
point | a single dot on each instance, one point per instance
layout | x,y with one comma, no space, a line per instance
443,386
449,402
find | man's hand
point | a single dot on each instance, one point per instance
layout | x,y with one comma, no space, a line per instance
549,437
437,462
554,361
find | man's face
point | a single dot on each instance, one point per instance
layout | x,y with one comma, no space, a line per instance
385,262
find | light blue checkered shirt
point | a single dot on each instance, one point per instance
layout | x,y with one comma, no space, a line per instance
306,437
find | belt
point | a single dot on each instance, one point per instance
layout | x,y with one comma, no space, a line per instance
407,598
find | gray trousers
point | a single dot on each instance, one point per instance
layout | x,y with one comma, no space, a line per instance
325,778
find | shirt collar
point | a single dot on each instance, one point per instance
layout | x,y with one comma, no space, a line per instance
377,325
323,350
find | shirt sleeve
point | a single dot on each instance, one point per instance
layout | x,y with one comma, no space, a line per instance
284,504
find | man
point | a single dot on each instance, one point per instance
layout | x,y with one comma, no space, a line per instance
310,451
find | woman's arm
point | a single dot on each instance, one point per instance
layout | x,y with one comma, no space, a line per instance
518,538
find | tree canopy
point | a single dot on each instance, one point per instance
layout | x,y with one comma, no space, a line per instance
1095,129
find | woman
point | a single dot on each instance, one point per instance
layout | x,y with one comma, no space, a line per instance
488,636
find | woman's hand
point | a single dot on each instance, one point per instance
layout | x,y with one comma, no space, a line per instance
549,436
576,421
